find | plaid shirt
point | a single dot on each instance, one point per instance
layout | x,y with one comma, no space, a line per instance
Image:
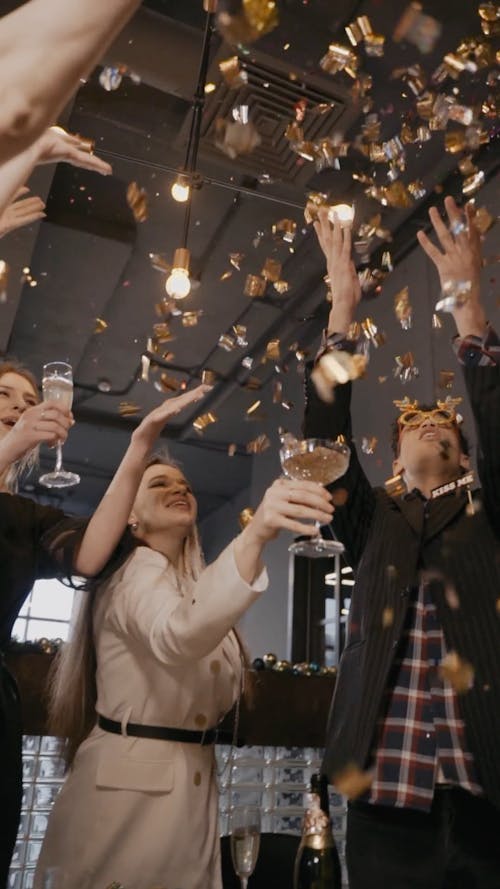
421,737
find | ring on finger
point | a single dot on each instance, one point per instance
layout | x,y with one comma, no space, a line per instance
458,227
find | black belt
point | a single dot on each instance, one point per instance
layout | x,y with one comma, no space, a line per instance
162,733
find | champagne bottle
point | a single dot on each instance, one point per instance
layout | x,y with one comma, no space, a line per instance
317,865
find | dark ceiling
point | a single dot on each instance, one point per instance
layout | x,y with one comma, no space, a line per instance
91,260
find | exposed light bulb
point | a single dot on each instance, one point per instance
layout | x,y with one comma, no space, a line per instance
343,213
178,284
180,190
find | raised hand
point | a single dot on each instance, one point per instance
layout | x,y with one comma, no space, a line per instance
56,145
287,505
335,242
149,429
22,211
460,261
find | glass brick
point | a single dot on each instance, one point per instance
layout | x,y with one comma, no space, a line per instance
287,798
246,775
31,744
24,825
50,768
50,745
15,879
29,768
44,795
291,775
32,852
19,854
27,800
28,879
290,756
245,797
38,826
287,824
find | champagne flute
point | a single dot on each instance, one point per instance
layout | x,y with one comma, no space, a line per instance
57,387
318,460
245,841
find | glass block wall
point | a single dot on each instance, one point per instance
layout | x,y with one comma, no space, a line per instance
274,778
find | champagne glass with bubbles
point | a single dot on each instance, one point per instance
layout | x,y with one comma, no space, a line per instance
57,387
245,841
317,460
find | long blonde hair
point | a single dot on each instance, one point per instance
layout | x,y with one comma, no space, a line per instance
28,461
72,693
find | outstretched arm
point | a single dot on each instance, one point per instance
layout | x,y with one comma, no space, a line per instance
110,518
21,211
46,46
354,508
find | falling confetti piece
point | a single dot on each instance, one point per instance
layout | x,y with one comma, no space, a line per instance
235,138
253,407
100,325
387,618
204,420
234,75
285,229
137,201
245,517
231,450
4,280
457,672
352,782
271,270
368,444
395,486
255,286
340,496
236,259
258,445
208,377
446,378
128,408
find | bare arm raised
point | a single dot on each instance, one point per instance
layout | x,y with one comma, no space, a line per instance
46,46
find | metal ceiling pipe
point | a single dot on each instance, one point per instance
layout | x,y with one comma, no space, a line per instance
164,53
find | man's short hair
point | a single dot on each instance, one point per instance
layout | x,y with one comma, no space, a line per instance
396,433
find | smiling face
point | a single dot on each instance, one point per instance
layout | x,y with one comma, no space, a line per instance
430,447
17,393
164,502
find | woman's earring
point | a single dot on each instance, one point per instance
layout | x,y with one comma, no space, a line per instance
134,526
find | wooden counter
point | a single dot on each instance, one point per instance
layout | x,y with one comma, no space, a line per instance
286,710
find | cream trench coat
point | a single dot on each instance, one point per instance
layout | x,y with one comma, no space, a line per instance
145,812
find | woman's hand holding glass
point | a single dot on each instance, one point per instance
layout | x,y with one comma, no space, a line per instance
41,424
289,504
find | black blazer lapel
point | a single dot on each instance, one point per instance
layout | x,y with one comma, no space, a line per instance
442,510
412,507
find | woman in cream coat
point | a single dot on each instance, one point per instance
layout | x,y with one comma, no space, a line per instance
144,811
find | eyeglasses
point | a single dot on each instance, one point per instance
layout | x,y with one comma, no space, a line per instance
439,416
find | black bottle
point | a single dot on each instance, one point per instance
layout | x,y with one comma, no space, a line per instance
317,865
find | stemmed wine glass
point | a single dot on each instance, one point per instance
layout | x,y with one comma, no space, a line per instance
57,387
318,460
245,841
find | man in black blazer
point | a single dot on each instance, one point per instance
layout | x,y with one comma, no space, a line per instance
417,702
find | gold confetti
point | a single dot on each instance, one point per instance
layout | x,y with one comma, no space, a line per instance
387,617
258,445
446,378
128,408
403,308
339,58
483,220
245,517
436,321
255,286
234,75
226,342
272,351
271,270
405,368
414,26
190,319
4,280
451,597
253,383
255,19
395,486
253,407
204,420
231,449
138,202
281,287
335,368
277,391
340,496
236,259
285,229
352,781
168,383
457,672
225,275
208,377
162,332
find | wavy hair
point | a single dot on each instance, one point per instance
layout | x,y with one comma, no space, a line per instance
27,462
72,692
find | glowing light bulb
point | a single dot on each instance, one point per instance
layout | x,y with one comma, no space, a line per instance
178,284
342,213
180,190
